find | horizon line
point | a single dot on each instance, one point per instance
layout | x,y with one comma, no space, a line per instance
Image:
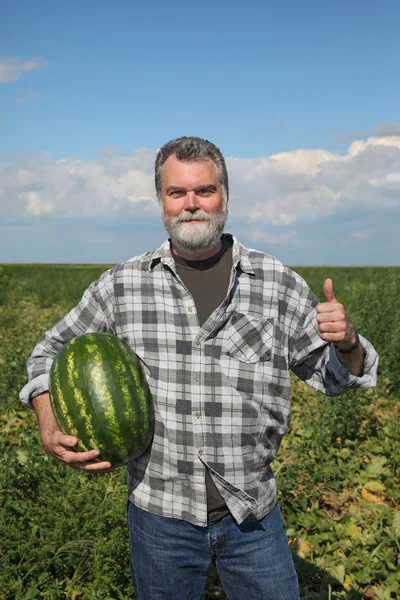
90,264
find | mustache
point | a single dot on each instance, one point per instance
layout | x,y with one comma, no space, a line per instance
189,216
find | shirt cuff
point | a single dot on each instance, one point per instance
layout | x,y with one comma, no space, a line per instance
36,386
371,361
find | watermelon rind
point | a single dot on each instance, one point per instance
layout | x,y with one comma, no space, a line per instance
100,395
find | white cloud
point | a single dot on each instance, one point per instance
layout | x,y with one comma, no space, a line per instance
387,141
35,204
12,67
306,185
110,185
284,189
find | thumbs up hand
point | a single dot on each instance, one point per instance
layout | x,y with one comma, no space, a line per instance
334,325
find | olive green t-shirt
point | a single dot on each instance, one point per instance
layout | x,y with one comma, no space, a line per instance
207,281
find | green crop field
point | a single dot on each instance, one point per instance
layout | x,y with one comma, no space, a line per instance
63,533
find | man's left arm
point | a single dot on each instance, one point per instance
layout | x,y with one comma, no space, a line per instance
326,351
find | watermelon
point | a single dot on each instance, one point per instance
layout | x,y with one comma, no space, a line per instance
100,395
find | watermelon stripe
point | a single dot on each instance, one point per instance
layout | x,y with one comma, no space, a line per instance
97,397
63,418
71,411
80,402
67,418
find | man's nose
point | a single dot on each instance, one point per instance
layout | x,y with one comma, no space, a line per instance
191,201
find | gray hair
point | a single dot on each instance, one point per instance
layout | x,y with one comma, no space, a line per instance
187,149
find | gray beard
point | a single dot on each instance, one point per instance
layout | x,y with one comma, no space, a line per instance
192,238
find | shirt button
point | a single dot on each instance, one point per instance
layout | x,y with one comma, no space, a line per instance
200,451
198,414
190,309
197,377
197,342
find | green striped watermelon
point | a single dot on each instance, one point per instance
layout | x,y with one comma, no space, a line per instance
99,394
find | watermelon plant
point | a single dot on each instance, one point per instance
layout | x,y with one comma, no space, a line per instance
100,395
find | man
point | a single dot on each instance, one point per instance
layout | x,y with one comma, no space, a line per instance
218,328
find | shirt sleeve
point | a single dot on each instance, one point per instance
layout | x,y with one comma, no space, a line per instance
93,313
315,361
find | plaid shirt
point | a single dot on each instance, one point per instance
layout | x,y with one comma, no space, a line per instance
221,392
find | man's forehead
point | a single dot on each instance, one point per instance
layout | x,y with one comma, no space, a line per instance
191,169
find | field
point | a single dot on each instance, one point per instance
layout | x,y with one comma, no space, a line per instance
63,533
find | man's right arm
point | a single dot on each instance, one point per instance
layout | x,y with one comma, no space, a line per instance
93,313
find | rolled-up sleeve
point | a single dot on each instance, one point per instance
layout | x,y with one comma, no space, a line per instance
315,361
93,313
370,371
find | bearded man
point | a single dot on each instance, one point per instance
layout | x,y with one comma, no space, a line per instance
218,327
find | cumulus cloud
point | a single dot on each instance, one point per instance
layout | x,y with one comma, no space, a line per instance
13,68
306,185
110,185
279,191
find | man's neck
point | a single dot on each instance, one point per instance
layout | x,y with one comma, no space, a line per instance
202,255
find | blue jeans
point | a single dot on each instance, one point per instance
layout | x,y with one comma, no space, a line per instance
169,558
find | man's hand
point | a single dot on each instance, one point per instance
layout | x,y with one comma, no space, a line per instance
61,446
334,324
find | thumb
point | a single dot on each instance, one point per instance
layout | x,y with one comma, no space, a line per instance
66,440
328,290
71,440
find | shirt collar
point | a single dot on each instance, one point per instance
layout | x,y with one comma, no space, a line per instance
163,255
240,256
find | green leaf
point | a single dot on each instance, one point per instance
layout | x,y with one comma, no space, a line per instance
376,466
353,531
22,456
382,593
338,572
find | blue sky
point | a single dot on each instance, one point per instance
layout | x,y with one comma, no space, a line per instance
302,98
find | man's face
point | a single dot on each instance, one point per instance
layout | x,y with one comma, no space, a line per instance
194,210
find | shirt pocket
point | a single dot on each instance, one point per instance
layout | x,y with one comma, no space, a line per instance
250,339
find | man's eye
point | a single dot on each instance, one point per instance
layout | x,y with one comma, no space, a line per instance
176,193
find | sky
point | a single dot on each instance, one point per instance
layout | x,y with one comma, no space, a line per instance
302,98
